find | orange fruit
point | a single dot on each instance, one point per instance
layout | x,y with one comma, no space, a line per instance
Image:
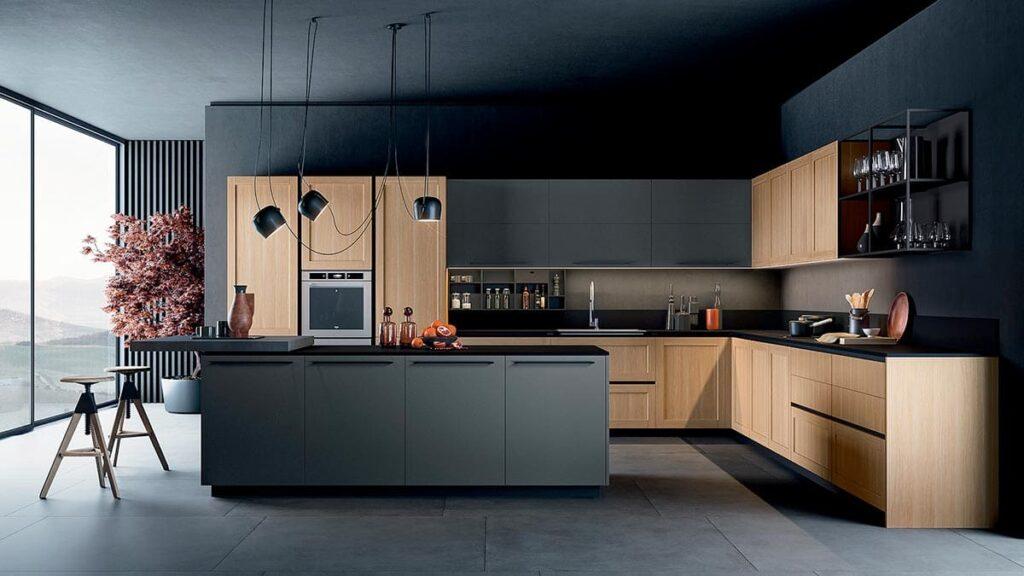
451,328
443,331
417,343
436,323
430,332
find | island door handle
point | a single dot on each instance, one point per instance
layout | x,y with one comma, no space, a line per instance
355,363
555,362
457,363
248,362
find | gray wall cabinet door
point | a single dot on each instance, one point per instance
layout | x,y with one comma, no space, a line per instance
497,244
556,417
702,201
455,421
253,424
355,420
600,201
497,201
600,245
701,245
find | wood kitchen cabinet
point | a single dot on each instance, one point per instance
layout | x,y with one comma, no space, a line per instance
742,385
629,359
812,441
632,405
761,394
794,211
351,200
268,267
410,255
693,383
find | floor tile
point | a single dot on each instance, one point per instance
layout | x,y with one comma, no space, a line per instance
9,525
121,544
1008,546
773,542
622,496
346,505
631,543
361,543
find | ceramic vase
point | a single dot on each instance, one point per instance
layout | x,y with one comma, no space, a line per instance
240,317
862,243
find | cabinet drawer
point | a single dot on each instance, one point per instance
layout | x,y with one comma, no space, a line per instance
629,359
811,394
864,376
859,408
812,441
631,406
812,365
858,464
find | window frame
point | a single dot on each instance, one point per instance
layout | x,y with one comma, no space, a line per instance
41,110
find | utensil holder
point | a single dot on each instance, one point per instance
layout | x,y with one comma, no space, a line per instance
858,320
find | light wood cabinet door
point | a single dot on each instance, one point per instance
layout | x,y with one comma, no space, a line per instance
410,256
802,211
858,464
692,377
761,222
742,385
781,435
268,267
781,222
761,394
826,201
631,406
350,198
812,441
629,359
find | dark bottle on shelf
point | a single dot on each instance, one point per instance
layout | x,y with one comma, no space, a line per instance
526,298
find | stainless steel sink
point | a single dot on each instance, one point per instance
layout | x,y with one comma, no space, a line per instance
598,331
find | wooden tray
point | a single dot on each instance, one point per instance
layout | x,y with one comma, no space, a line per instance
872,341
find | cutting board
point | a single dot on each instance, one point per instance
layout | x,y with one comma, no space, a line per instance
873,341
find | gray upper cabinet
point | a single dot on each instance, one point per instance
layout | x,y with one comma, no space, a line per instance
600,201
604,245
701,245
497,201
264,448
455,421
701,223
471,244
355,421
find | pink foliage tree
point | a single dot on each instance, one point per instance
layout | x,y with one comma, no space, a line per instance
157,288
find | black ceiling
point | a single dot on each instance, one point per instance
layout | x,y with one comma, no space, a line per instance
146,68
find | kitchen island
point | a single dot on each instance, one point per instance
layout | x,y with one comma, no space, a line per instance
369,416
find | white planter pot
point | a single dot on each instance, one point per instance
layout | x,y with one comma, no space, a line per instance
181,395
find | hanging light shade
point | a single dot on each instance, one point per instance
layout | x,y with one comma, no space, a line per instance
427,209
268,220
312,204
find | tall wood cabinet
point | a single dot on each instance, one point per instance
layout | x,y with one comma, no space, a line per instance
351,199
794,211
410,257
268,267
693,383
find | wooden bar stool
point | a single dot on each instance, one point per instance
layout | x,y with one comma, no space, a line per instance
86,407
130,395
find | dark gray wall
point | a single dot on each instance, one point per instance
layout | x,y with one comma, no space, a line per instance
956,53
629,140
161,176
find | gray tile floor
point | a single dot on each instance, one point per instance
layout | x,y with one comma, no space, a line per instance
703,505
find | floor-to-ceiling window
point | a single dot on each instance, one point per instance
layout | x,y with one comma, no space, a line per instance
58,184
15,290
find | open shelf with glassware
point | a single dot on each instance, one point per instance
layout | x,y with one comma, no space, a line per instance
905,186
502,289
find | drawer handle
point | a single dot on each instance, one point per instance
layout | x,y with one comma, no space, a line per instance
603,262
354,363
456,363
249,362
555,362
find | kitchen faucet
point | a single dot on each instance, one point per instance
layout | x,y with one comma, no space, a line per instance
592,320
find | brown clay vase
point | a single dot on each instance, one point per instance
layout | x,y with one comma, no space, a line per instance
240,317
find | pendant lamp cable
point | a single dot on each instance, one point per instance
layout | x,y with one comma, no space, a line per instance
426,82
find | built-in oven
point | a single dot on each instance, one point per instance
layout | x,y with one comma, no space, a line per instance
337,306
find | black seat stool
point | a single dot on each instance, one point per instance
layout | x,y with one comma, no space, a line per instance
130,395
86,408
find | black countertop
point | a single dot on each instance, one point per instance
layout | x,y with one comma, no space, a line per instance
266,344
277,347
779,337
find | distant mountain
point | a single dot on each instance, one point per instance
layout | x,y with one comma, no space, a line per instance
67,300
14,327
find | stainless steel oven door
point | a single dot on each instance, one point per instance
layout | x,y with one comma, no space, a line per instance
337,309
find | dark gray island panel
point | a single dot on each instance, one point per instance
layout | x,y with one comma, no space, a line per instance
556,421
355,420
455,421
252,423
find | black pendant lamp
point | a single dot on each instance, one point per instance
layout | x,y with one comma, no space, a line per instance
312,204
427,208
268,220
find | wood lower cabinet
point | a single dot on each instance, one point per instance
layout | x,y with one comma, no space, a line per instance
693,383
268,267
742,385
629,359
631,406
858,463
781,436
812,441
351,201
410,256
761,394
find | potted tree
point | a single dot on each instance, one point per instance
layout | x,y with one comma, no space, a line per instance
157,287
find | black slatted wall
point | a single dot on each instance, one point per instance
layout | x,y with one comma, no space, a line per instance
160,176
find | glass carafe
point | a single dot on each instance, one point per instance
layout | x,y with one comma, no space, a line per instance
388,333
408,329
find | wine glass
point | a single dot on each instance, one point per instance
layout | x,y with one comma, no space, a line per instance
858,173
947,235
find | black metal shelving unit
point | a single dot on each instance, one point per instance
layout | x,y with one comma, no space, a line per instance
934,183
480,279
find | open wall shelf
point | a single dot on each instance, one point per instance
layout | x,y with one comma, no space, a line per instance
931,183
476,282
